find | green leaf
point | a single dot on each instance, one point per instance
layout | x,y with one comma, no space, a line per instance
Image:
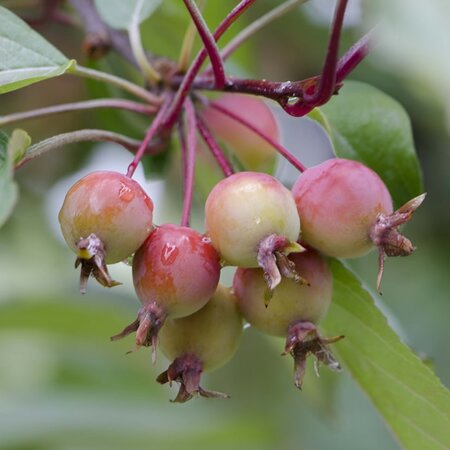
371,127
8,188
18,144
118,13
25,56
408,395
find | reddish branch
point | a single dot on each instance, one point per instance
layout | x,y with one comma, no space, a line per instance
283,91
327,81
193,70
354,56
209,140
276,145
209,43
154,128
189,161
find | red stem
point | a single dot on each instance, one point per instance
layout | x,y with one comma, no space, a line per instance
183,145
281,91
189,161
153,129
277,146
209,140
354,55
208,42
193,70
327,83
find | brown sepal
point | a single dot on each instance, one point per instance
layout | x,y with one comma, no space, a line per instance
149,321
187,370
91,257
304,339
386,237
272,258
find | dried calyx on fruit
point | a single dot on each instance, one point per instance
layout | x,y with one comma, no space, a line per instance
294,310
346,210
175,272
105,217
203,341
252,221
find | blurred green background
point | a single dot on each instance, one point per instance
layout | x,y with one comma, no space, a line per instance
63,385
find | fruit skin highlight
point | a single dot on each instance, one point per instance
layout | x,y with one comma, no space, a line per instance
175,272
203,341
253,221
294,310
252,151
105,217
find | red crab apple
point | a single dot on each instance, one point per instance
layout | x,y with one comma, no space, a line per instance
252,151
203,341
105,217
294,310
253,221
346,210
175,272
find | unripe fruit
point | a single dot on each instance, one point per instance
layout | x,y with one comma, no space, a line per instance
175,272
252,151
291,301
346,209
105,217
201,342
253,221
294,310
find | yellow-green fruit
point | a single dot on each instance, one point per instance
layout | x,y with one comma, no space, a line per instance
211,334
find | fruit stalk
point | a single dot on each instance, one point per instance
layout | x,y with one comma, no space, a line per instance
209,140
189,161
153,129
209,43
278,147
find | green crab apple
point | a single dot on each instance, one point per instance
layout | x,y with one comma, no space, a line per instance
203,341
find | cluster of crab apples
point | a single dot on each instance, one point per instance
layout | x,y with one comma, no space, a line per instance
278,239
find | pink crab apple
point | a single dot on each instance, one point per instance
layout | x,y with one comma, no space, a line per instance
203,341
175,272
253,221
346,210
105,217
252,151
294,310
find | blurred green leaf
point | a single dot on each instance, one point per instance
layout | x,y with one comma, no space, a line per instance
369,126
118,13
92,395
25,56
18,144
8,188
411,399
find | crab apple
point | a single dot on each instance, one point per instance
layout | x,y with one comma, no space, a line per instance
346,210
253,221
105,217
294,310
175,272
201,342
252,151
